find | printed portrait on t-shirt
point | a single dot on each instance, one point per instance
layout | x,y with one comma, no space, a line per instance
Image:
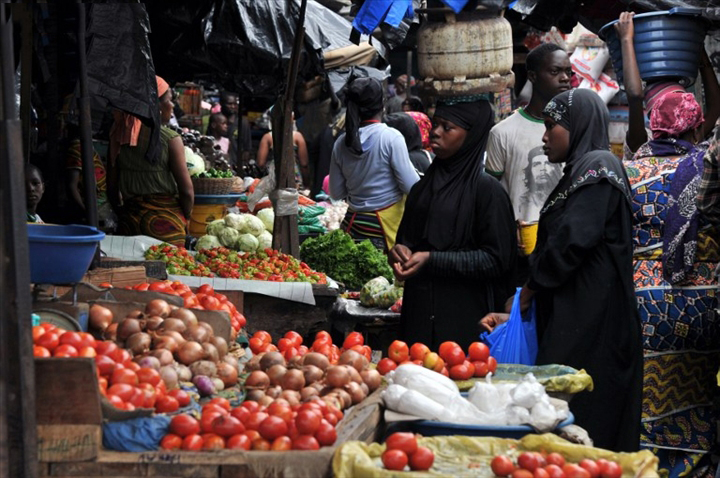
541,177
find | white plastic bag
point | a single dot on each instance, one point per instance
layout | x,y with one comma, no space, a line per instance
527,392
589,61
402,400
404,373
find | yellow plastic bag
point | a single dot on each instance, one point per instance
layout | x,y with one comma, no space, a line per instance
555,378
461,456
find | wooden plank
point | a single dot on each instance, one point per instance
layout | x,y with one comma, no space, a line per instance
75,381
188,471
62,443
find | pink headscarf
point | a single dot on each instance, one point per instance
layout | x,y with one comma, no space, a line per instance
675,113
425,126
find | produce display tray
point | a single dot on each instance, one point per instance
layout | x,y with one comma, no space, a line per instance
432,428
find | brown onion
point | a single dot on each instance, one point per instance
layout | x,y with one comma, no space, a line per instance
257,380
208,327
231,360
356,393
319,360
147,361
164,355
273,392
356,360
175,325
190,352
334,400
227,373
186,315
307,393
354,374
100,317
111,332
203,367
365,389
343,395
295,362
158,307
184,373
135,314
270,359
312,374
293,380
128,327
255,395
265,401
170,376
276,373
196,333
337,376
153,323
371,378
138,343
254,363
211,352
292,396
221,345
165,342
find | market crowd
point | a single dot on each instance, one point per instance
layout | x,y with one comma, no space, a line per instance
616,256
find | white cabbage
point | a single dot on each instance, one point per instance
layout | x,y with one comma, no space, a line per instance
253,225
229,237
207,242
247,243
236,221
215,227
265,240
267,216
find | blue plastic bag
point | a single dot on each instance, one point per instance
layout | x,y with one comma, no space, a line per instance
136,434
514,341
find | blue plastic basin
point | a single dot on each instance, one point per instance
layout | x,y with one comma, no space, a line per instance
431,428
667,44
61,254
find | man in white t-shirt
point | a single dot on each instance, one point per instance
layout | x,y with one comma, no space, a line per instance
514,152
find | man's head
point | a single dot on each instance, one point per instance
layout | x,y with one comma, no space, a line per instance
218,125
549,70
34,187
229,103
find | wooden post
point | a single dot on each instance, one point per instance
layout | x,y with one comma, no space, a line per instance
26,30
285,231
18,432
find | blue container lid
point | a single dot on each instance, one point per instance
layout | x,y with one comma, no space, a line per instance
433,428
216,199
74,233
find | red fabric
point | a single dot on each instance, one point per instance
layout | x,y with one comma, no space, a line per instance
674,114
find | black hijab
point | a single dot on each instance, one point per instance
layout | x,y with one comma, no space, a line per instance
585,116
364,100
442,203
413,140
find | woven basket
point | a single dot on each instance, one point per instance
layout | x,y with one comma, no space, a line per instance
212,186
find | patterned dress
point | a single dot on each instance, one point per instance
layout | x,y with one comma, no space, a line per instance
680,326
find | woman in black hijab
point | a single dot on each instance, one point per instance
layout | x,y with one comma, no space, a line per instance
456,245
411,132
581,272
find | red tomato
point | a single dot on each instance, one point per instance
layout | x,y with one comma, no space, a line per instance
105,347
492,364
404,441
478,352
331,418
283,344
572,470
227,426
302,350
541,473
222,402
251,405
39,351
238,442
255,419
394,459
326,435
213,407
207,418
529,460
305,442
290,352
166,404
210,303
263,335
87,352
308,421
124,375
123,390
555,459
463,371
591,467
132,366
522,473
143,286
398,351
64,350
324,334
242,321
181,396
120,355
213,442
554,471
151,395
279,409
37,331
50,340
295,338
159,286
171,442
272,427
115,401
256,345
418,351
261,444
610,469
138,398
205,289
352,339
386,365
453,356
501,465
241,413
433,361
192,443
445,348
253,435
183,425
422,459
282,443
148,375
481,368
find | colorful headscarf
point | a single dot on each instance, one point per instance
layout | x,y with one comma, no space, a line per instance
425,126
655,91
674,114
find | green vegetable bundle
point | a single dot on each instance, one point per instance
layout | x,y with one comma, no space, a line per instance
337,255
214,173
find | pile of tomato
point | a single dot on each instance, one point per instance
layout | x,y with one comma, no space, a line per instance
124,383
205,297
250,426
402,449
538,465
290,345
268,264
450,359
178,260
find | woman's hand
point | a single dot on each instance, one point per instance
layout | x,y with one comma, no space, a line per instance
492,320
412,266
625,27
399,253
526,297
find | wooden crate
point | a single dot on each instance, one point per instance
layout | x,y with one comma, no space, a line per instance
360,423
117,276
